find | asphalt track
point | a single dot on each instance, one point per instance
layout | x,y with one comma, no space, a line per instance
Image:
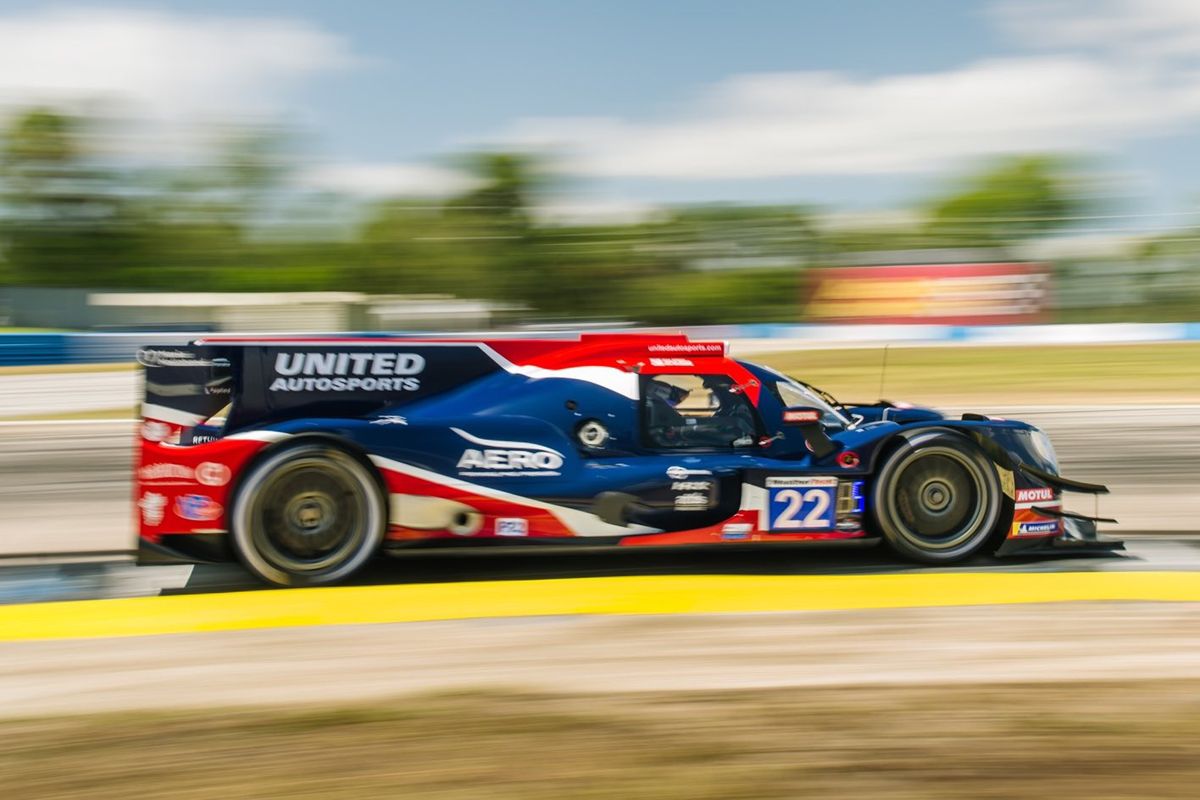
1057,643
64,486
704,618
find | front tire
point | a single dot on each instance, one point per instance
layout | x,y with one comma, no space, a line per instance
307,515
937,498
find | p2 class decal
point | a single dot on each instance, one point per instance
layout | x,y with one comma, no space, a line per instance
800,504
512,526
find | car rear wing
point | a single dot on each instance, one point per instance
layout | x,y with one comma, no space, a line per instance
184,387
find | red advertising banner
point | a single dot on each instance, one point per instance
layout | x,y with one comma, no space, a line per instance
945,294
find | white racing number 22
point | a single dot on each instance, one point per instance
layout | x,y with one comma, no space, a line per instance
801,504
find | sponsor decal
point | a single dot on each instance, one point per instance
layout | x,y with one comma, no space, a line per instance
736,531
154,357
781,482
154,431
593,433
691,502
503,459
1027,528
691,486
690,348
197,507
347,372
390,419
159,473
512,526
210,473
801,417
672,362
152,505
677,473
203,438
1039,494
848,460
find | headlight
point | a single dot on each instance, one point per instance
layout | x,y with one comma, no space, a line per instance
1044,448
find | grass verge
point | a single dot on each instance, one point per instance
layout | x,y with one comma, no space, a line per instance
66,369
1035,375
1027,375
1071,740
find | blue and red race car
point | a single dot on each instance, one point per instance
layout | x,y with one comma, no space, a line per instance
305,457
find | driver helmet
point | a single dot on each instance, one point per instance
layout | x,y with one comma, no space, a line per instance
666,392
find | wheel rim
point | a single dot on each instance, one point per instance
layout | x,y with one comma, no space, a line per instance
940,499
308,516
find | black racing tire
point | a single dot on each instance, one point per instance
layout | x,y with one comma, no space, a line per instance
937,499
306,515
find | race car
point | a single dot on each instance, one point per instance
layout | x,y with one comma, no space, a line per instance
304,457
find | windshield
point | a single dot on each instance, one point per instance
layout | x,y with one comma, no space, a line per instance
795,393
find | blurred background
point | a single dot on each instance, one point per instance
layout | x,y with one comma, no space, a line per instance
430,166
1007,192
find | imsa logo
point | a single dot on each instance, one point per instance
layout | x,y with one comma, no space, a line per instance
502,459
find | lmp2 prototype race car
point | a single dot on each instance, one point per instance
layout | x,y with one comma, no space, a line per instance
304,457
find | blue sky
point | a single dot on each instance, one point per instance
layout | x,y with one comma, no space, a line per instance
848,105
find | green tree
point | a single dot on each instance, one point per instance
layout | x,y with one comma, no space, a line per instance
1012,200
66,220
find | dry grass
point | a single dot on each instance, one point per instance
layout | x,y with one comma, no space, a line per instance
66,369
1064,741
1091,375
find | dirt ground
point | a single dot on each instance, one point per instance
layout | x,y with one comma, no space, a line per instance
600,654
1062,740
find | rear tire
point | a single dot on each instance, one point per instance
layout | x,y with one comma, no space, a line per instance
937,498
307,515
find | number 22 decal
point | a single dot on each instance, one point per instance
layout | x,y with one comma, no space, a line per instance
804,504
817,502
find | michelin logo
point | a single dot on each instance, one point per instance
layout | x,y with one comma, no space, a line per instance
501,459
347,372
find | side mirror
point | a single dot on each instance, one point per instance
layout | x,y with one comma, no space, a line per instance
808,420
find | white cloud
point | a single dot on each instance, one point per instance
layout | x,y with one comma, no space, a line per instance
162,65
1143,28
824,123
385,180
